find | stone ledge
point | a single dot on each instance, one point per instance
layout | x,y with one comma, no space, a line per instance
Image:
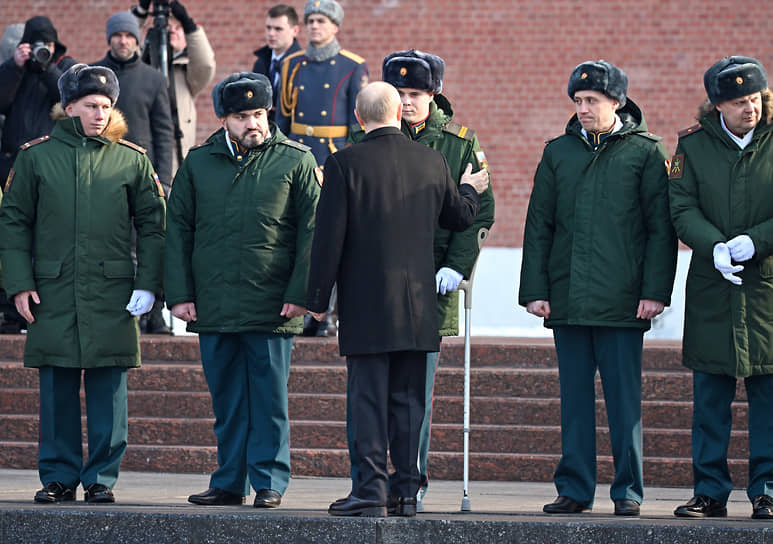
109,524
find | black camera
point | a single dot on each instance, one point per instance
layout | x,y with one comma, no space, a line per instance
41,53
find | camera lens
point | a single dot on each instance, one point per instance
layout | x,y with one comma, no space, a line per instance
41,53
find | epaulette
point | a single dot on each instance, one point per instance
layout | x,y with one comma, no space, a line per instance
458,130
690,130
134,146
354,56
36,141
203,144
292,56
296,145
649,136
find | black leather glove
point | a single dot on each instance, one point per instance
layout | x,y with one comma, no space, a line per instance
179,13
141,10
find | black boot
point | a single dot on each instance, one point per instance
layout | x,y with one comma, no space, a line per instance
155,323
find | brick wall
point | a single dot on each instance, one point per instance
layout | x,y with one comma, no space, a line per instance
507,61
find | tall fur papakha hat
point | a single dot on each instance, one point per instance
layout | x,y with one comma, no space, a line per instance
329,8
601,76
241,91
82,80
415,70
733,77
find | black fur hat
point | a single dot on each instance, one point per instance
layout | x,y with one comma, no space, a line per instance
81,80
241,91
601,76
733,77
414,69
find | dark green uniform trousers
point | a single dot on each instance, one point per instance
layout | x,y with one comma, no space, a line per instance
713,395
616,353
60,456
247,376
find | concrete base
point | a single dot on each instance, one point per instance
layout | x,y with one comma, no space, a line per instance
152,508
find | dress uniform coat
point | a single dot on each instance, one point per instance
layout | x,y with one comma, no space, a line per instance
598,240
378,211
719,191
316,102
65,222
239,238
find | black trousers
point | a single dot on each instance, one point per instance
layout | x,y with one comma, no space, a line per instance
386,397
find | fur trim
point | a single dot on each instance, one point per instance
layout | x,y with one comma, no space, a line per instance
767,108
115,130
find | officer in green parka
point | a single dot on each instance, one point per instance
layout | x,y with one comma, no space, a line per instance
241,222
428,119
599,258
65,222
721,188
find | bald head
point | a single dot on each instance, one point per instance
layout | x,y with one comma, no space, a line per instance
378,105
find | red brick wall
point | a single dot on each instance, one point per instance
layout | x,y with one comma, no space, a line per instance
507,62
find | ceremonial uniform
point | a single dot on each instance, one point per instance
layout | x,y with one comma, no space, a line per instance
720,189
597,243
65,222
239,237
316,103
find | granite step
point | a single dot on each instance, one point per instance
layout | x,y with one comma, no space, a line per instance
445,409
446,437
331,378
658,471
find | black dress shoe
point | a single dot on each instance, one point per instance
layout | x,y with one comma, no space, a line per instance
216,497
353,506
762,507
55,492
401,506
267,498
626,507
564,505
98,493
701,506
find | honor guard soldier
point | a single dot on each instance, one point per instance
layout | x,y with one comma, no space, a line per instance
427,117
319,85
722,207
241,222
599,259
65,221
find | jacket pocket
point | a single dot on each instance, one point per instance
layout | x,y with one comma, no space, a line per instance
47,269
118,269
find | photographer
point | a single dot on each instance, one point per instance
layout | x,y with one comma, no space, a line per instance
28,88
192,68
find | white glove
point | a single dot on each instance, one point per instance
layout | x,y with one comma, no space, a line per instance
741,248
724,266
140,302
447,280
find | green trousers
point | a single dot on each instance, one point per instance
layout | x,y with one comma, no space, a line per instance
713,395
616,353
60,455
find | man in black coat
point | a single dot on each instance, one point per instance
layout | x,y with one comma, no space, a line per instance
380,203
281,41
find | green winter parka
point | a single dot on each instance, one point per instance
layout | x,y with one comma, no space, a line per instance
598,236
456,250
239,236
719,191
66,229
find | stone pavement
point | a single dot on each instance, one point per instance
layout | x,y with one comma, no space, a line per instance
152,507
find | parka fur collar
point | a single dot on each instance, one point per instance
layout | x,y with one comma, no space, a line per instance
767,108
116,127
